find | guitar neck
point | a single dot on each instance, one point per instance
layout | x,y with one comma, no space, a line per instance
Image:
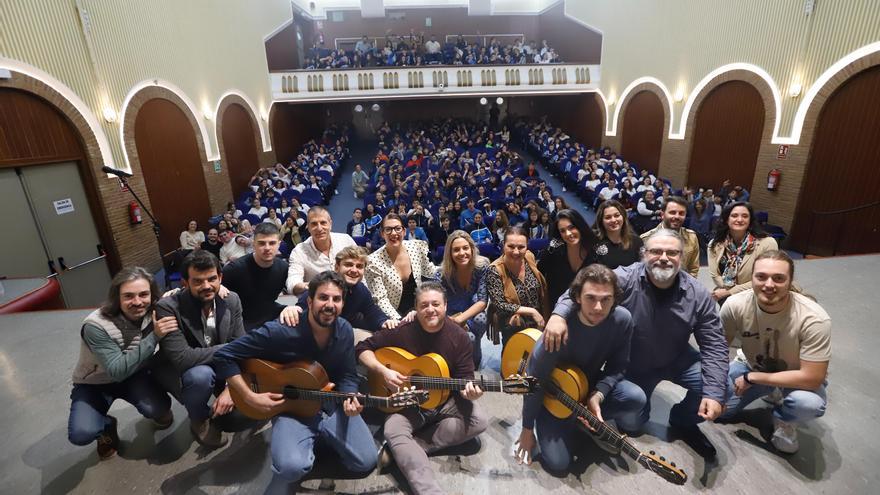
435,383
335,397
602,430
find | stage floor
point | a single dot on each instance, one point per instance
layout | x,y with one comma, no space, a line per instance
38,351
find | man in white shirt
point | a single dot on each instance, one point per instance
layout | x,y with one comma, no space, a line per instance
432,50
317,253
609,192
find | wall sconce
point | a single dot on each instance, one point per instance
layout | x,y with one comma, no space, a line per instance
795,90
358,108
483,101
109,114
375,107
499,100
207,113
264,116
679,94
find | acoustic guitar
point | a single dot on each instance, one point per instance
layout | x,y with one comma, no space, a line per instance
431,372
567,390
305,387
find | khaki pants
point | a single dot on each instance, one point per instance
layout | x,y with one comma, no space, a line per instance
412,434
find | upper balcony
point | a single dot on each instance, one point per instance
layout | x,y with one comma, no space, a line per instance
432,80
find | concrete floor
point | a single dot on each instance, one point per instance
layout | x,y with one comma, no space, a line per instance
38,351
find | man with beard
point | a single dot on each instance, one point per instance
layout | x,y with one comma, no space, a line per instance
206,323
672,216
667,307
364,315
786,344
323,337
411,434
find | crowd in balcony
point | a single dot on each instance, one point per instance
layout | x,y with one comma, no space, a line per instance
415,50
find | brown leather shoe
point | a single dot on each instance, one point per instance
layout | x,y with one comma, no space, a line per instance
207,434
164,421
108,441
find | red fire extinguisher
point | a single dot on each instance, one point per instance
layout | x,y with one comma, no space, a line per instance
773,179
134,213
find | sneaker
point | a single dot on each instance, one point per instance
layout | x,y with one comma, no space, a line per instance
207,433
385,460
774,397
108,441
164,421
784,436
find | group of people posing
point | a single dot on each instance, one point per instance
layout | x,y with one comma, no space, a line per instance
627,328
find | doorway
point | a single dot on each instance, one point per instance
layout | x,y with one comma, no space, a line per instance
54,232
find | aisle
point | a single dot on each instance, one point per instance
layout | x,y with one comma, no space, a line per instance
571,198
342,204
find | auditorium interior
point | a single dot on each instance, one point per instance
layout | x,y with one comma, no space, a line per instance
124,122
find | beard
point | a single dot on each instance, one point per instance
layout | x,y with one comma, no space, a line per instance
663,274
326,317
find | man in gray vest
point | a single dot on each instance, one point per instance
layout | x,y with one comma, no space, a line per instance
206,322
117,344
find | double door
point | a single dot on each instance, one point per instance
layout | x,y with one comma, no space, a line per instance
50,231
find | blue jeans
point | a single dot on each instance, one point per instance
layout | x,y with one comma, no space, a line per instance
293,442
684,371
557,438
90,403
797,406
197,385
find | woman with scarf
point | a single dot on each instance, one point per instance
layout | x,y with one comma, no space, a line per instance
738,240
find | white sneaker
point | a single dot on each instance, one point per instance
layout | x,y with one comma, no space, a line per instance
784,436
774,397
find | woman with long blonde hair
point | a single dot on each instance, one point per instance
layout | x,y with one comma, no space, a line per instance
463,276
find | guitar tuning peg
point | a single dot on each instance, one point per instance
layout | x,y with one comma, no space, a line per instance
652,452
672,464
662,458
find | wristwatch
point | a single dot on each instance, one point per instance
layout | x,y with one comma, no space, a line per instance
746,378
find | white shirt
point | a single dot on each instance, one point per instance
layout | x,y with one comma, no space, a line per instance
258,211
306,261
608,192
191,240
432,46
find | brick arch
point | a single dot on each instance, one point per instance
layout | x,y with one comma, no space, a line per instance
219,191
231,168
819,238
216,187
653,89
107,202
677,169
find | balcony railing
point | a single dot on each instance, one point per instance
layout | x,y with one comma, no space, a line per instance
432,80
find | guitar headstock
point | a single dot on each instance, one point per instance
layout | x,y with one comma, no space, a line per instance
663,468
518,384
408,397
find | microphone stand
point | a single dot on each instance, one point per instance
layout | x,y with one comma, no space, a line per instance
156,228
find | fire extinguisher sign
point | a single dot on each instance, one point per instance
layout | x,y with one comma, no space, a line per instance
782,154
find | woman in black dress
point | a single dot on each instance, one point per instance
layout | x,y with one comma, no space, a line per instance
618,244
571,248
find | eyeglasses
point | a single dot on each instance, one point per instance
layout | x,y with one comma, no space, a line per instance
670,253
392,230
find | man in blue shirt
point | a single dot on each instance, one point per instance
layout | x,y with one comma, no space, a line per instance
601,332
327,339
667,306
467,216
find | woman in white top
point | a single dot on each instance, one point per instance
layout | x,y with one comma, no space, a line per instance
191,238
396,269
273,218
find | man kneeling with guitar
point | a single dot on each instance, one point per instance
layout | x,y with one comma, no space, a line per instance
329,340
412,434
600,334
